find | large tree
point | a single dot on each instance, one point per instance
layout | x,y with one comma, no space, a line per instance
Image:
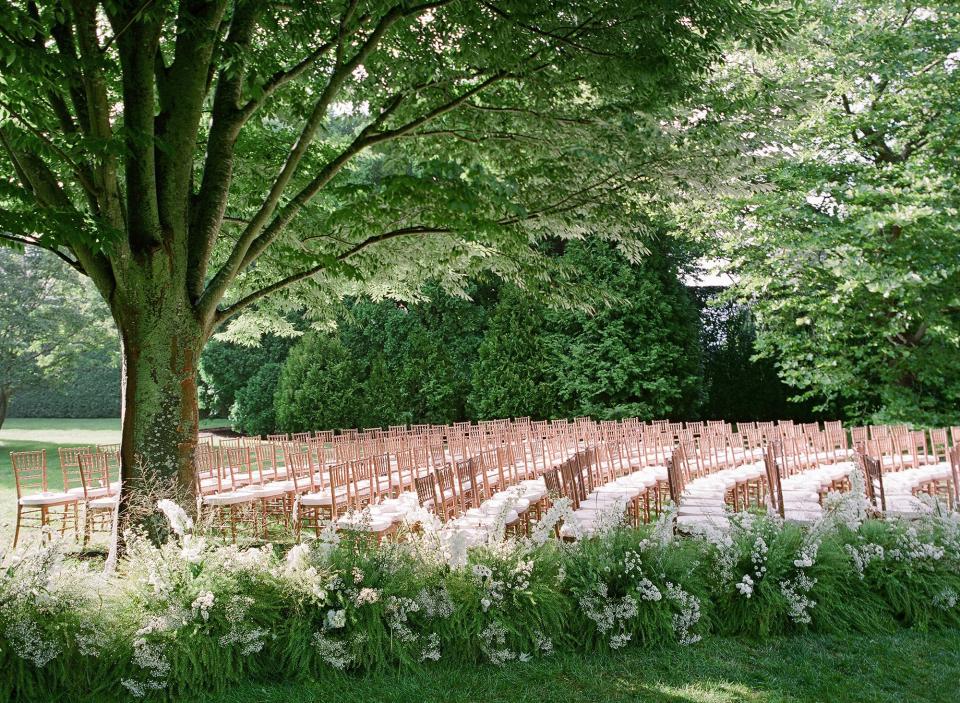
199,159
850,260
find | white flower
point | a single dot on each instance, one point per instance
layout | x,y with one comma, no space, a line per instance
179,521
333,652
202,605
193,548
336,619
946,600
367,595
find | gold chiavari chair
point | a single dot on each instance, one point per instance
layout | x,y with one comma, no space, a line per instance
100,500
36,504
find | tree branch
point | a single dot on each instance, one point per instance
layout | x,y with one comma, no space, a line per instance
178,121
226,313
563,39
27,241
79,172
97,106
218,164
134,16
217,287
280,78
138,43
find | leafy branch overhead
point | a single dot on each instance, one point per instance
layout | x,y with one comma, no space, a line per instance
257,146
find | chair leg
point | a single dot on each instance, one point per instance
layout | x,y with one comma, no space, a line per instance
87,525
233,523
16,531
63,521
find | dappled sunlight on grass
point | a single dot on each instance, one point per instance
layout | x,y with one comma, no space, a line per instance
711,692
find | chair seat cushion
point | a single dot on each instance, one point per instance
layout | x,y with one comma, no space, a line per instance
229,498
48,498
91,492
268,490
105,503
321,498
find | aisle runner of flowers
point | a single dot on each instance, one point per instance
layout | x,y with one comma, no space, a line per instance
196,615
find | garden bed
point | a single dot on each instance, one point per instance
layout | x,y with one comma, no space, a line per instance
196,616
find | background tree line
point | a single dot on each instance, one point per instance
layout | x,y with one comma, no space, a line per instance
657,352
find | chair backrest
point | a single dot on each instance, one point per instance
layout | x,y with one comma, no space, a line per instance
426,490
772,469
446,491
954,455
551,479
70,465
467,485
207,476
300,437
265,456
29,471
939,446
300,471
573,486
676,479
873,471
236,466
363,481
113,455
341,489
383,472
95,472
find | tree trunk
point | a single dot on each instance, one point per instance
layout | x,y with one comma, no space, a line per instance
4,403
161,343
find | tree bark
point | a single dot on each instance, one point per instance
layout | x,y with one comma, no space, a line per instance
161,341
4,403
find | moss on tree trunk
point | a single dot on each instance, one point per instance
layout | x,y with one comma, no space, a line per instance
161,344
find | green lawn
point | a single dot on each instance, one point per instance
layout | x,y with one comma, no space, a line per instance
908,666
27,434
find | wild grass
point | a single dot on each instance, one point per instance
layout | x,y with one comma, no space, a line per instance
198,618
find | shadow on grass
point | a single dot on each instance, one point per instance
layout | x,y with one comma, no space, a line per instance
908,666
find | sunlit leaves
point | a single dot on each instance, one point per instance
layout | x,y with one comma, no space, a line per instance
852,261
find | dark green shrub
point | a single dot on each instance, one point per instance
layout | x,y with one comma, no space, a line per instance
252,412
319,386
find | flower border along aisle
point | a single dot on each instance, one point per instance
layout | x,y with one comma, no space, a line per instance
196,615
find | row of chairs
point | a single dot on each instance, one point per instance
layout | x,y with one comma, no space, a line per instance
304,479
90,487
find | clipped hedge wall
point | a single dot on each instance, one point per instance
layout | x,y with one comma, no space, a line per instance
91,390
